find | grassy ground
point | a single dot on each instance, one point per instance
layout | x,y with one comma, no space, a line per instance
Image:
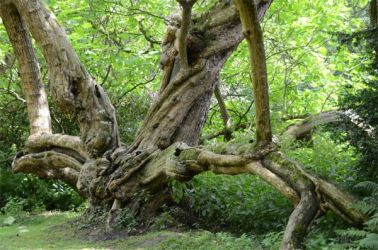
53,231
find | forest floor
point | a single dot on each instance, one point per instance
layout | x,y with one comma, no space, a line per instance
57,230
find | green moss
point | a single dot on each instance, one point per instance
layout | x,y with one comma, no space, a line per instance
299,230
189,154
218,148
287,165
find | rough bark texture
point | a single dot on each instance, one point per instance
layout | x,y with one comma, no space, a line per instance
164,148
73,89
36,98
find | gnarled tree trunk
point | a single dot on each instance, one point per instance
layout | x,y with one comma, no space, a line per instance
164,148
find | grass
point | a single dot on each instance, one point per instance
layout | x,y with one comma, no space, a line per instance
52,230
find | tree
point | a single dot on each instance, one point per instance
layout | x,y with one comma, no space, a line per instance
108,173
361,102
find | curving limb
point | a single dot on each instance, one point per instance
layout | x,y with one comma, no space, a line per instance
70,145
72,87
49,165
300,220
52,156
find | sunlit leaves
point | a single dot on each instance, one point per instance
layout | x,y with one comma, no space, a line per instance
307,66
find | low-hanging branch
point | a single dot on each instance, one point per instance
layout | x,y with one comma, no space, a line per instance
304,128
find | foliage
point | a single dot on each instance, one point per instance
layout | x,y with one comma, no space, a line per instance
28,193
362,101
126,219
164,220
206,240
366,238
234,203
14,206
272,240
326,157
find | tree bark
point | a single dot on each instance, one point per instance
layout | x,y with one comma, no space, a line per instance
227,124
36,98
73,89
253,33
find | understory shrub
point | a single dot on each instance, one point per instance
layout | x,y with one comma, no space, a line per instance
29,193
367,237
241,203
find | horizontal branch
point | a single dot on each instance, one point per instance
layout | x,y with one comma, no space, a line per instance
182,162
49,165
58,141
303,129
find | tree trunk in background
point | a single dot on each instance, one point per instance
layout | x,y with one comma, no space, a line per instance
374,13
227,123
374,25
164,148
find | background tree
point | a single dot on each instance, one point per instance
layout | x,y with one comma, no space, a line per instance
362,99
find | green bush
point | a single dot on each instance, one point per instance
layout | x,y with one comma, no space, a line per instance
241,203
328,158
29,193
366,238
